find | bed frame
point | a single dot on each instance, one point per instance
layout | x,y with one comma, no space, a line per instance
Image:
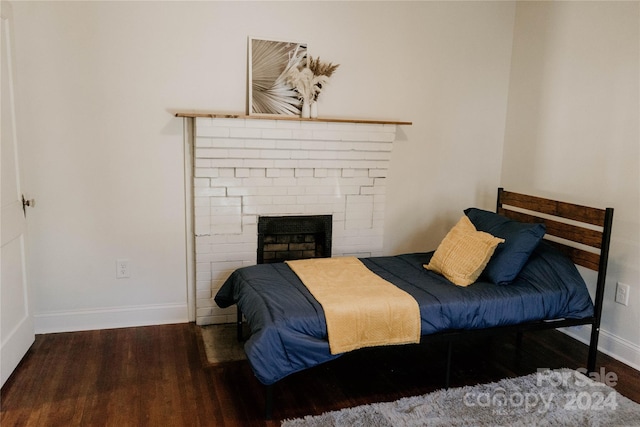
598,240
582,233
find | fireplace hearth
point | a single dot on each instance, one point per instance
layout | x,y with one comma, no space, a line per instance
291,237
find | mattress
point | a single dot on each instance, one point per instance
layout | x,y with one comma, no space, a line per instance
289,333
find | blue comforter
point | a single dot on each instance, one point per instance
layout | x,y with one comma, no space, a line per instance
288,330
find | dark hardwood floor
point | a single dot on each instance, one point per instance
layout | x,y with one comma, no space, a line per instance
159,376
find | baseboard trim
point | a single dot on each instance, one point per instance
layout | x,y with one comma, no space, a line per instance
609,344
109,318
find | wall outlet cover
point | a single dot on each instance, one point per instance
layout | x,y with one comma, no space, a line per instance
622,293
122,269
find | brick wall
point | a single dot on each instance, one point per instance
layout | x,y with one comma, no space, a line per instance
246,168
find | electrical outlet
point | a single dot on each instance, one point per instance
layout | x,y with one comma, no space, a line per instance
122,269
622,294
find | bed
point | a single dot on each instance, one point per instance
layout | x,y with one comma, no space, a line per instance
537,286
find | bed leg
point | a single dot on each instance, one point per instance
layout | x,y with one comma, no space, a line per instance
239,325
268,402
518,355
593,349
448,368
519,336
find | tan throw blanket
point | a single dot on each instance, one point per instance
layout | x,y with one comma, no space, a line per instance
361,308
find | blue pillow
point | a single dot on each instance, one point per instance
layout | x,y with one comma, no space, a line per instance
520,241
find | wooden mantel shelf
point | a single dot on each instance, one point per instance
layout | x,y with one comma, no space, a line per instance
213,115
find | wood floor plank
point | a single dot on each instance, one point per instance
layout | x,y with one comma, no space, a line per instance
159,375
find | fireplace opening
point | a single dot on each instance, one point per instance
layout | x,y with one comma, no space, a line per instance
282,238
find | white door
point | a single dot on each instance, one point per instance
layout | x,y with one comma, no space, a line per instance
16,323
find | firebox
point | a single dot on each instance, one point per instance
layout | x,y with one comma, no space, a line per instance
282,238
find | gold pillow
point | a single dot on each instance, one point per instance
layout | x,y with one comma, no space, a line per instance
463,253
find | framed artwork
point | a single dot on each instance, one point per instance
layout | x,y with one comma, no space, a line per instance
269,61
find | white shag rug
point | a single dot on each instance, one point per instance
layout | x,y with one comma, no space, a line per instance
551,398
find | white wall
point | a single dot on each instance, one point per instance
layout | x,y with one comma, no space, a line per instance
572,132
104,158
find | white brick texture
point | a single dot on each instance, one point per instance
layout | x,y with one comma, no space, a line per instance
245,168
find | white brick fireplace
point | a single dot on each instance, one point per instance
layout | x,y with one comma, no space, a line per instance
247,167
